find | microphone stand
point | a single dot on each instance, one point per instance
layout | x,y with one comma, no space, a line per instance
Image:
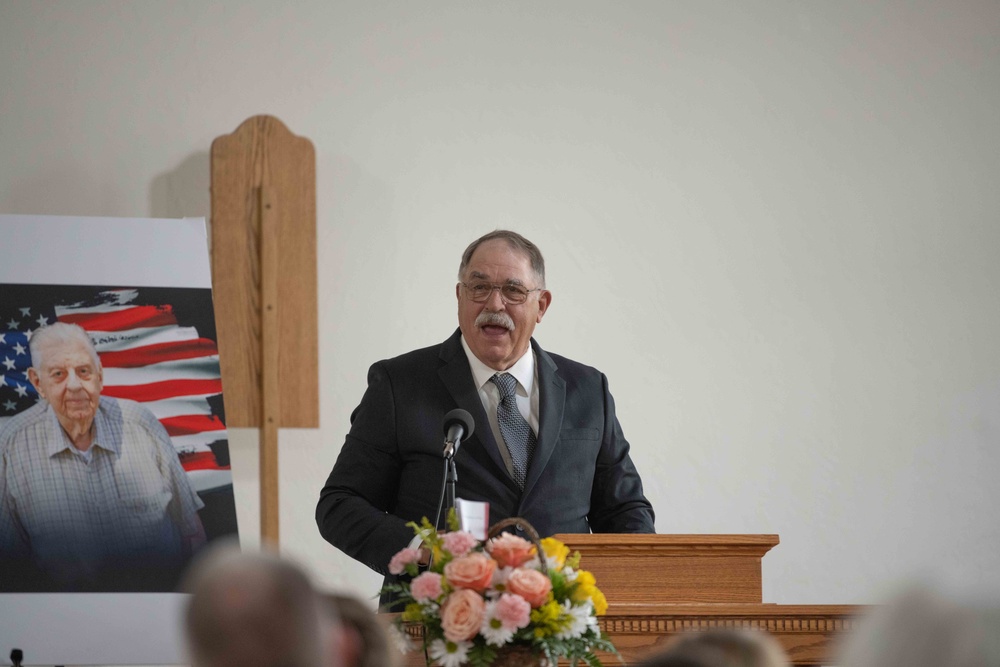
452,481
447,497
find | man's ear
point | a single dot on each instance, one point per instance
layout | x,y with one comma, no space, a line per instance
544,301
35,381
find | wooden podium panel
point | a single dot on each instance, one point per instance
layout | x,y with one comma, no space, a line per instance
674,568
809,634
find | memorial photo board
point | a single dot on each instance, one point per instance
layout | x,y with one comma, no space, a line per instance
106,323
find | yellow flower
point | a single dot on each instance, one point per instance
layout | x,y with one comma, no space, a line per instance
600,602
586,588
546,619
412,612
437,554
585,579
555,553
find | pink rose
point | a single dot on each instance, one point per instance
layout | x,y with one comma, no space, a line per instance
403,558
426,586
510,550
474,571
513,611
458,543
532,585
462,614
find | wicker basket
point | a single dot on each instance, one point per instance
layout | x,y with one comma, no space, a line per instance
516,656
527,529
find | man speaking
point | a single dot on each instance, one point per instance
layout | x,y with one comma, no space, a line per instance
547,445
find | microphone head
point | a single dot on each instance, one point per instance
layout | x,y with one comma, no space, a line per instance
459,416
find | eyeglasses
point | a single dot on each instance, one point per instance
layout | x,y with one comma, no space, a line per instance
509,292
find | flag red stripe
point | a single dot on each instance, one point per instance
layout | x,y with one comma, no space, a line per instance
190,424
159,352
200,461
158,391
121,320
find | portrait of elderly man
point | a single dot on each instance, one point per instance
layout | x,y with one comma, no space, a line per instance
92,493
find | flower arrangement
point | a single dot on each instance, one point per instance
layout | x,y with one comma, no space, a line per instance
479,600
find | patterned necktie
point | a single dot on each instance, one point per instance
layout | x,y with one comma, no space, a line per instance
516,432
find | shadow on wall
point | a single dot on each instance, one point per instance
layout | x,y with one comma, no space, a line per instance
183,192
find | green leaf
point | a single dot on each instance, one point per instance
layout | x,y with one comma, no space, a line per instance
481,655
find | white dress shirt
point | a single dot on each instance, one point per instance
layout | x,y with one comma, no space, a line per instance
525,372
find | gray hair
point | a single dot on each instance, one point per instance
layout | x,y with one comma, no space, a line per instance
516,242
924,627
252,610
59,333
721,647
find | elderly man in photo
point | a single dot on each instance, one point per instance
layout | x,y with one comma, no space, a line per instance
92,494
547,445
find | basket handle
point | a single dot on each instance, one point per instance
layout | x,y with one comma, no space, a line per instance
528,529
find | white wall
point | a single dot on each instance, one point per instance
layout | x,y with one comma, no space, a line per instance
774,225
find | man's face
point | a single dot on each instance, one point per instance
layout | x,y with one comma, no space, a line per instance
70,381
498,345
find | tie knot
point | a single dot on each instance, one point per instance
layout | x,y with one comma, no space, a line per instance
506,383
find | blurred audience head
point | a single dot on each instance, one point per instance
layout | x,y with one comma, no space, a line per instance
723,647
253,609
921,627
362,640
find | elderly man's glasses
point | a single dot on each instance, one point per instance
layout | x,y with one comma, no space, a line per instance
509,292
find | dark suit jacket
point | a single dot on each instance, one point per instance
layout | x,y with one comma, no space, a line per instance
390,470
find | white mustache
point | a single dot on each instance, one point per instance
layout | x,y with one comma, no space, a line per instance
495,319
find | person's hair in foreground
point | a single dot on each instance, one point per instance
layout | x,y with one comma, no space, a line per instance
253,610
363,641
721,647
921,627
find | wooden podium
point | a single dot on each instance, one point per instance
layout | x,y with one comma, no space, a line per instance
661,585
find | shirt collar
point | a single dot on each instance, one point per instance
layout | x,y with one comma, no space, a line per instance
107,434
523,369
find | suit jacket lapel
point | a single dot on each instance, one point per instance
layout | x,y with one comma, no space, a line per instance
457,378
551,403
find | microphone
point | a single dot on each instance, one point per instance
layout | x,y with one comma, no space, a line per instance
458,425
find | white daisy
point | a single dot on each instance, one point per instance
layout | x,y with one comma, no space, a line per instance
400,639
449,654
579,619
499,583
534,563
492,629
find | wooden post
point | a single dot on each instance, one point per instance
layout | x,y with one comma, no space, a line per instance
270,317
264,287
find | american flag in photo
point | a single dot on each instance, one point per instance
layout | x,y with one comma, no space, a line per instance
147,355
